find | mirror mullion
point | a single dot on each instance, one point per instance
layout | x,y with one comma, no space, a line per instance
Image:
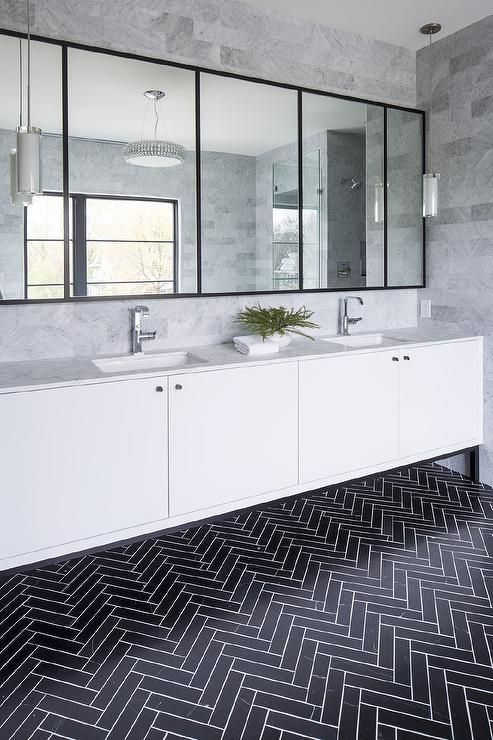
301,170
385,199
198,184
65,175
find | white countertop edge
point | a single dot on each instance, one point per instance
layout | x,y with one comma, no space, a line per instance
49,372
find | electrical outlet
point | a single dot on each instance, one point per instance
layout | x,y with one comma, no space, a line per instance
425,308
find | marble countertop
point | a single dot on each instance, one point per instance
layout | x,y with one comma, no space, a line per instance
37,374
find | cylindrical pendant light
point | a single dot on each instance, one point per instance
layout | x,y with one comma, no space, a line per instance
430,179
379,203
29,138
17,198
430,194
29,160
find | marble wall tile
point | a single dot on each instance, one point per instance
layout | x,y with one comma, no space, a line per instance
66,329
233,35
460,252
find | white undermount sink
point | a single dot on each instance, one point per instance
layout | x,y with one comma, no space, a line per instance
363,340
157,361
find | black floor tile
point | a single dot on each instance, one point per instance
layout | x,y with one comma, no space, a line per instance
359,613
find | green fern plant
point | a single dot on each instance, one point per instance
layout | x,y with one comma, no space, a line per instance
267,321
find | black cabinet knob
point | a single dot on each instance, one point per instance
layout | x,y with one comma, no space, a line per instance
159,388
395,359
178,387
406,357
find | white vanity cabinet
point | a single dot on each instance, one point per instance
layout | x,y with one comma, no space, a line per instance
232,434
348,417
80,461
440,397
87,465
381,409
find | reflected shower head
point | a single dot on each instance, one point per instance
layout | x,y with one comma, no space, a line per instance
353,184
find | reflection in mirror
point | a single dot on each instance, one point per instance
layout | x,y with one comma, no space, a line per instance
31,261
343,243
132,176
405,200
249,150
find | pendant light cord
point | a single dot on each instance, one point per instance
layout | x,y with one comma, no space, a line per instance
431,109
156,119
28,64
21,96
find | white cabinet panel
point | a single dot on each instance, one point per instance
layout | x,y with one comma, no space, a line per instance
348,414
440,397
82,461
232,434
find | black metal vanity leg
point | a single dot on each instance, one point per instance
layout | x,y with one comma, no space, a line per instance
474,464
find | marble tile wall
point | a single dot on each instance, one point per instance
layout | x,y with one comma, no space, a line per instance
229,35
460,239
221,34
71,329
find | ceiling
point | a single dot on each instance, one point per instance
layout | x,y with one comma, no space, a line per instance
394,21
106,102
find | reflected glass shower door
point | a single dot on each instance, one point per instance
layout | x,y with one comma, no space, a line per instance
285,237
314,253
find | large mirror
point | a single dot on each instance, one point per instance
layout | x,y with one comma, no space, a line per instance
250,213
129,208
132,199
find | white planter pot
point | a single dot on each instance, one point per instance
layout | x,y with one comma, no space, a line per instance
280,340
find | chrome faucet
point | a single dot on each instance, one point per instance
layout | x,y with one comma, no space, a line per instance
138,313
346,321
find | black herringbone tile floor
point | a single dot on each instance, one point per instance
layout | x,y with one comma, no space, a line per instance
362,612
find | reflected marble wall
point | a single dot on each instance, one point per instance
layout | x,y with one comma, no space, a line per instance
404,198
460,239
11,228
228,222
374,179
346,207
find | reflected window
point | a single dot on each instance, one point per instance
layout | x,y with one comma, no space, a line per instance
120,246
44,248
285,226
130,246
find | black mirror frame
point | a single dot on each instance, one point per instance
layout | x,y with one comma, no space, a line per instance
66,45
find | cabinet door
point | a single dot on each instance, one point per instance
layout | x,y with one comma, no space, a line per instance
79,462
439,397
232,434
348,414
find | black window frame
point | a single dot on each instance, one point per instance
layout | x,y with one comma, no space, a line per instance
78,281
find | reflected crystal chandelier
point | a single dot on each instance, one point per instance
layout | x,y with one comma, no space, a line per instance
430,179
154,152
25,159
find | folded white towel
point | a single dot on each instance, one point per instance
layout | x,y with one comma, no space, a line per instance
254,344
